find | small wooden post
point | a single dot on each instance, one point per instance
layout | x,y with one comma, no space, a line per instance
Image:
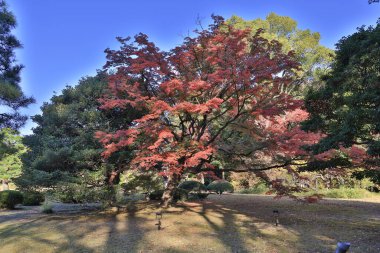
276,216
158,218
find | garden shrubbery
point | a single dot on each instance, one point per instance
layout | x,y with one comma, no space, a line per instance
220,186
179,194
33,198
9,199
47,208
192,185
259,188
341,193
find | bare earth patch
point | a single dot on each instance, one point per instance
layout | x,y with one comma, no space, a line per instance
227,223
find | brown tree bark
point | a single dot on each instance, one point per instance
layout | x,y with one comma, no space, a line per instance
168,195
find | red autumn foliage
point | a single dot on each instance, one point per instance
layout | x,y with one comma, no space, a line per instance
194,94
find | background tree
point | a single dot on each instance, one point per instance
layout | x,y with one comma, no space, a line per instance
194,94
347,107
11,96
10,161
314,58
64,154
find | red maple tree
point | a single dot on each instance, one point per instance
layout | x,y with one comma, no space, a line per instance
198,97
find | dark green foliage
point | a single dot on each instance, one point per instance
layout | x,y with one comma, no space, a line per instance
156,195
346,108
179,194
192,185
9,199
33,198
198,196
65,156
220,186
80,193
11,94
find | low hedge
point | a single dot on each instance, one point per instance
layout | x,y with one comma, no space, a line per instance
179,194
192,185
220,186
33,198
9,199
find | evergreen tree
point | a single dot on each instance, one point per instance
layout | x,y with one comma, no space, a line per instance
11,95
347,107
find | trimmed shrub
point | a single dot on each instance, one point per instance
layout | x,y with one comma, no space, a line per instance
192,185
9,199
179,194
156,195
33,198
47,208
220,186
198,196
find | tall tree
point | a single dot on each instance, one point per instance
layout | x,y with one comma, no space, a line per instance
64,153
10,159
347,107
314,58
194,95
11,96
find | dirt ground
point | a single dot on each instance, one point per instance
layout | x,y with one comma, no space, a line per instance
227,223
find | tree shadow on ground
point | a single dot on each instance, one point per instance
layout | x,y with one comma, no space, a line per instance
309,227
239,224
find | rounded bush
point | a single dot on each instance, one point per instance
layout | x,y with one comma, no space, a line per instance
179,194
220,186
198,196
192,185
156,195
33,198
9,199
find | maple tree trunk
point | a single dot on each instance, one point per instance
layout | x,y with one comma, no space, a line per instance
114,177
171,185
5,184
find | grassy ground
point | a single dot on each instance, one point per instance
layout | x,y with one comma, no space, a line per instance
228,223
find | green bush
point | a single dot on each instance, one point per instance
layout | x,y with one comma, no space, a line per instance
341,193
259,188
179,194
347,193
9,199
33,198
220,186
76,193
47,208
198,196
192,185
139,182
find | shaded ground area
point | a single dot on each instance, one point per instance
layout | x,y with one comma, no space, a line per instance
228,223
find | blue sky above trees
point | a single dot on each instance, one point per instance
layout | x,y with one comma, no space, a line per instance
65,39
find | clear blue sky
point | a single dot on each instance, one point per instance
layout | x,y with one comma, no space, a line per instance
65,39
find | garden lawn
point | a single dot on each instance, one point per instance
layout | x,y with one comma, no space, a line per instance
227,223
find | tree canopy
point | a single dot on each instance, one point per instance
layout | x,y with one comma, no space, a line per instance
64,150
195,94
12,97
346,108
314,58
